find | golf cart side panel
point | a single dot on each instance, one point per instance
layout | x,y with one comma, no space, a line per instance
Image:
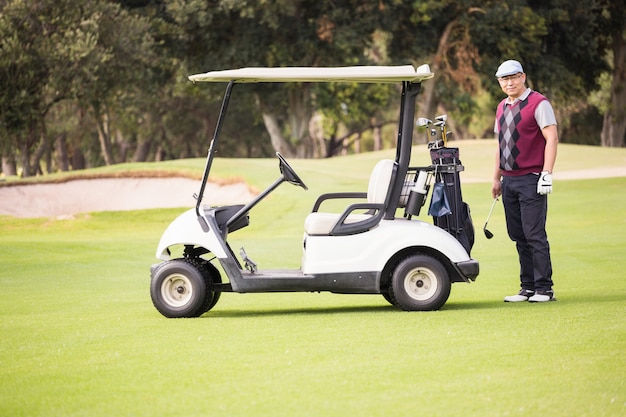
371,250
187,230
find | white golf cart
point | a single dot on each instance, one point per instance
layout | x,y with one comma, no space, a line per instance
366,249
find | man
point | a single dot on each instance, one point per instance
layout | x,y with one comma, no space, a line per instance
527,138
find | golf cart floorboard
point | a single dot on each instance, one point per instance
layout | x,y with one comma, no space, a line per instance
294,281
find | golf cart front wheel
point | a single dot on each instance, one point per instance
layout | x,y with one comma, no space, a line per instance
179,289
420,282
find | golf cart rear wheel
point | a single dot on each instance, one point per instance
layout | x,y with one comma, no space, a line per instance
420,282
179,289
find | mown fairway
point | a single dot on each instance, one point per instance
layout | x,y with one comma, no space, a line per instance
80,336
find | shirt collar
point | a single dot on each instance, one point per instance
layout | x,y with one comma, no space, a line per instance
523,97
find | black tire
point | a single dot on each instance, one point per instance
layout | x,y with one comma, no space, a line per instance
420,283
211,276
178,289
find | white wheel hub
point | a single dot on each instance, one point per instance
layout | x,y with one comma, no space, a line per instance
420,283
176,290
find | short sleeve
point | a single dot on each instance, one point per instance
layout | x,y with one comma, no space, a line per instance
544,114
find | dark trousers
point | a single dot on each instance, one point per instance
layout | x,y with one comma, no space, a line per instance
526,212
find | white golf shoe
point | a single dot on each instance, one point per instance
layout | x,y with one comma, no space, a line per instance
542,297
523,295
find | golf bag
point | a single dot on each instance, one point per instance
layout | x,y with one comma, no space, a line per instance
458,221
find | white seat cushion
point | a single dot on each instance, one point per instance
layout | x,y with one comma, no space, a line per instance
318,223
379,181
322,223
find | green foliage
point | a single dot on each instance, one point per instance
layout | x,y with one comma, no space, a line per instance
584,128
283,33
560,44
96,55
23,72
119,68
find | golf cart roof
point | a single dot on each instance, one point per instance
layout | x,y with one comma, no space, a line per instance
362,74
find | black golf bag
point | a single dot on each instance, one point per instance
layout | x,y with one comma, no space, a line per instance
458,221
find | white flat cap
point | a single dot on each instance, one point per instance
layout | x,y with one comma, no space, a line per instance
509,67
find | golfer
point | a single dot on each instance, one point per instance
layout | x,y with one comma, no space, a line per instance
527,137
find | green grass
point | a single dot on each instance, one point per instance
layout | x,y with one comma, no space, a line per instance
80,336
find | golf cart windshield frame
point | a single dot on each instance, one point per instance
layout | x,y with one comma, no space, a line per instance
406,74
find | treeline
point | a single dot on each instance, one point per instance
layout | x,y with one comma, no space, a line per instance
92,82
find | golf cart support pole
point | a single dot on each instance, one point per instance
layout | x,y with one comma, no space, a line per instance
410,92
209,160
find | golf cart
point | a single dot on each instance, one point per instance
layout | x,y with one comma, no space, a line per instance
366,249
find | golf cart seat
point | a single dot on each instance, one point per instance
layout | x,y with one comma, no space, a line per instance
358,217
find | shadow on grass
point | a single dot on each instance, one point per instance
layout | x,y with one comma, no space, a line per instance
474,305
298,311
451,306
346,309
569,299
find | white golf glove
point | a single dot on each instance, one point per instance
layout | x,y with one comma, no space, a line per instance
544,185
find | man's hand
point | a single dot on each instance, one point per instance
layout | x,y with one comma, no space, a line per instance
544,185
496,188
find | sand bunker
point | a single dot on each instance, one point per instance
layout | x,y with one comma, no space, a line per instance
62,200
113,194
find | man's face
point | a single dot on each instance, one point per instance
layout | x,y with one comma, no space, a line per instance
513,85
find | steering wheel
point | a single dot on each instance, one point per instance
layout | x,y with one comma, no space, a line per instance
289,174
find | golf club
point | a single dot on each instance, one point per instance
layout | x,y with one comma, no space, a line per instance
488,234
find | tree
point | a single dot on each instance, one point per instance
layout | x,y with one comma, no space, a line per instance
279,33
101,81
121,72
559,43
92,52
614,124
23,77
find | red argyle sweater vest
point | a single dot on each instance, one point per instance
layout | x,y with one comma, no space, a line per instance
521,143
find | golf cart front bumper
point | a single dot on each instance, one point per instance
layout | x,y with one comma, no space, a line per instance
468,269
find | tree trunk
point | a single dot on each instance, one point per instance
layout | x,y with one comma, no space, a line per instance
357,144
104,135
143,150
299,115
122,144
145,141
78,159
428,101
60,146
378,136
279,143
9,167
316,133
41,151
159,154
25,158
614,125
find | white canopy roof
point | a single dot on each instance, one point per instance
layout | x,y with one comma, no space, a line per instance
362,74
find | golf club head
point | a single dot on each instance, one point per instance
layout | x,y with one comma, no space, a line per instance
423,122
488,234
